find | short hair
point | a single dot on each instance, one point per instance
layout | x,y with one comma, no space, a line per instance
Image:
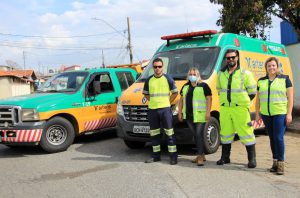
157,60
231,51
272,59
197,73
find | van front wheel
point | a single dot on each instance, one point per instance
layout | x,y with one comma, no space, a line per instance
211,136
58,134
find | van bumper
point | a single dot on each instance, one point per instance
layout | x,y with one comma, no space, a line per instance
26,133
125,131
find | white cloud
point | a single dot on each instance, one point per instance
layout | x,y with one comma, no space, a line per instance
59,31
48,18
103,2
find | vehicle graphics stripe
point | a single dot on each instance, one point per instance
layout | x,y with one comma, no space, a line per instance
31,136
98,124
23,136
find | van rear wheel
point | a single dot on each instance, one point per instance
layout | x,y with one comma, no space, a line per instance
211,136
58,134
134,144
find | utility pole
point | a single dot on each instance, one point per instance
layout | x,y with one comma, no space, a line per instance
103,65
129,41
129,47
24,60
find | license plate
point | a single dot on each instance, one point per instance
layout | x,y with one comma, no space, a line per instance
141,129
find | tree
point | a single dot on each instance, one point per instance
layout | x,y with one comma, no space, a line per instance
288,10
244,17
253,16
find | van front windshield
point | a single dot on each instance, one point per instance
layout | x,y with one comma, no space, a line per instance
178,62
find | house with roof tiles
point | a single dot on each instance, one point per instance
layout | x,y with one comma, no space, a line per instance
16,82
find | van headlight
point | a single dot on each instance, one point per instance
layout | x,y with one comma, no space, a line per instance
29,115
120,109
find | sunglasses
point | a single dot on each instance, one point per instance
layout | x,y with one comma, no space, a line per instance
230,57
155,67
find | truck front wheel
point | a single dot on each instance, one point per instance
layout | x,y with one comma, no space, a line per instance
58,134
211,136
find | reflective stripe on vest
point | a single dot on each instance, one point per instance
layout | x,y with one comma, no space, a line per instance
273,97
159,92
199,103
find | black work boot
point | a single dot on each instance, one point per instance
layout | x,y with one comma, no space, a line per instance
225,154
173,160
251,156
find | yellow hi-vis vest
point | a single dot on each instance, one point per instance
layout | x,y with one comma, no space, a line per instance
199,103
273,97
242,85
159,92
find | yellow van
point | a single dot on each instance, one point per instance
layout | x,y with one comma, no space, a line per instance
204,50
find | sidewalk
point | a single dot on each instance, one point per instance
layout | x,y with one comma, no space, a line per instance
295,125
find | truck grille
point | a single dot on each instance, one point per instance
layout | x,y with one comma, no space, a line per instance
9,115
136,113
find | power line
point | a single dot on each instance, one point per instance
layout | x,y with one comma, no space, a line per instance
79,48
61,37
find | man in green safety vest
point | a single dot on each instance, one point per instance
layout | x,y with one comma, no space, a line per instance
236,87
157,90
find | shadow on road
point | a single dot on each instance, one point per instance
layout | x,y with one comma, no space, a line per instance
109,148
19,151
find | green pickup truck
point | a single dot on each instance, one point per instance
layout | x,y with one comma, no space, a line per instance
67,105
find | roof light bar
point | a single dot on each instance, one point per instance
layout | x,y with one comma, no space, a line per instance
189,35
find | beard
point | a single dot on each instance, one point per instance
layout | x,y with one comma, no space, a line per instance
232,64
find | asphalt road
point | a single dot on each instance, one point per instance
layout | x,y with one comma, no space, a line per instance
102,166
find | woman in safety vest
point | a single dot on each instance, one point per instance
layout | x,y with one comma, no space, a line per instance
194,107
274,105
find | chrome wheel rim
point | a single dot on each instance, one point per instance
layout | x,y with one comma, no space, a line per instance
56,135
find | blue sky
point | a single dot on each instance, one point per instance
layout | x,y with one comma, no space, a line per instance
45,34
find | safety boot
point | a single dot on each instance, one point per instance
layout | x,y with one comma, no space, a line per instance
280,168
274,167
251,156
173,160
200,161
195,159
203,156
225,155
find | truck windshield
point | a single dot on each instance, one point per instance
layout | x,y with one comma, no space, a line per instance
64,82
178,62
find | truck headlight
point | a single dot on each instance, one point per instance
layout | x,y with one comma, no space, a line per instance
120,109
29,115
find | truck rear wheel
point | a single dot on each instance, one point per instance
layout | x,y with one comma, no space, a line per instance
58,134
134,144
211,136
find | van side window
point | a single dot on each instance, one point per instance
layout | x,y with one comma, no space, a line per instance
125,78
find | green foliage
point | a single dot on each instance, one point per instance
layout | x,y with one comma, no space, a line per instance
288,10
253,16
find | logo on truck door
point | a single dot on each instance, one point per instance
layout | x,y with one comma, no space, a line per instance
103,108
